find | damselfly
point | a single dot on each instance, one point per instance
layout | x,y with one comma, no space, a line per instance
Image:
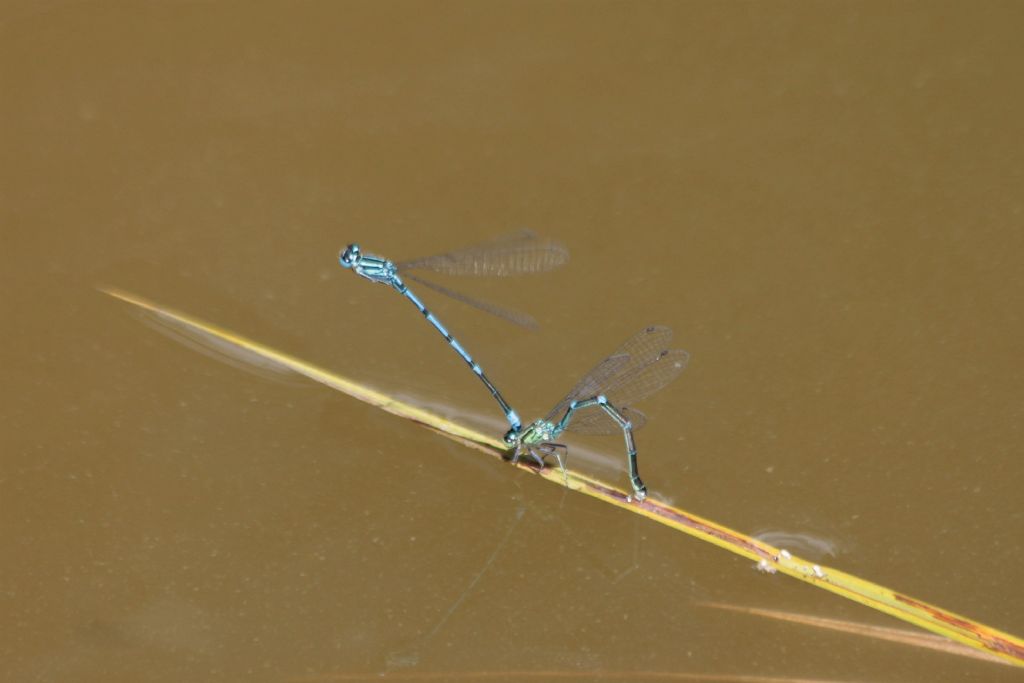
640,367
515,254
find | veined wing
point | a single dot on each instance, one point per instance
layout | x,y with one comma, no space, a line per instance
636,352
590,385
641,366
627,389
515,254
596,421
515,317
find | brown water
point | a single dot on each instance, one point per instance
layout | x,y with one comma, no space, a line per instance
823,200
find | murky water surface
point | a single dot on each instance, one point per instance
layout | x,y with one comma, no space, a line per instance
824,201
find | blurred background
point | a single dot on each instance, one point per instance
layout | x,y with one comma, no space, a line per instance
824,200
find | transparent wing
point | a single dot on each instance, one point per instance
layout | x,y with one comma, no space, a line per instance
643,347
518,253
595,421
637,369
642,381
590,385
635,352
515,317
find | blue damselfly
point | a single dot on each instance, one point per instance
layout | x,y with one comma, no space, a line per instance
515,254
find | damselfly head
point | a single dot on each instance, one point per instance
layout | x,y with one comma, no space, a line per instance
350,256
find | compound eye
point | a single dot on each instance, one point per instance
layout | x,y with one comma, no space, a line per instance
349,257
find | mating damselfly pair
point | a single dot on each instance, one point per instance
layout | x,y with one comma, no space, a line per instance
600,403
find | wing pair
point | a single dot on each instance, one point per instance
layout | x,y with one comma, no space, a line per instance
643,365
520,253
